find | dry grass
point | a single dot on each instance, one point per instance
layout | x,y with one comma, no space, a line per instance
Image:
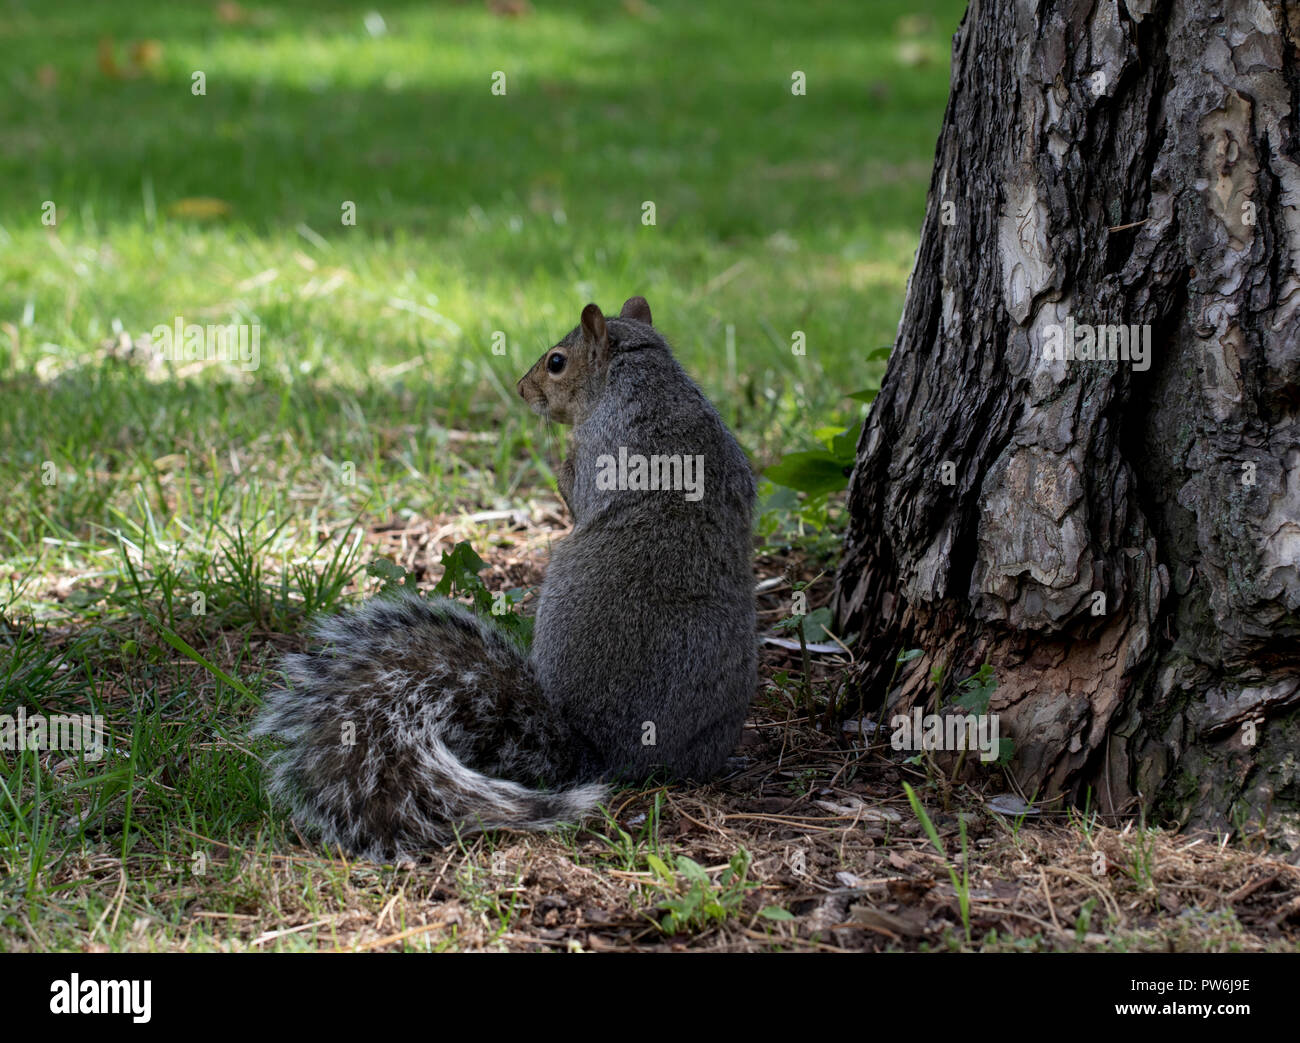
829,837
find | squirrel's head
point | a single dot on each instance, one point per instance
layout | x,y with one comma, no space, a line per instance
566,382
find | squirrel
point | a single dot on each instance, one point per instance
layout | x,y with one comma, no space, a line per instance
418,721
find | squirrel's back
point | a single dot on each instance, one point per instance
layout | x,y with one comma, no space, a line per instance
645,632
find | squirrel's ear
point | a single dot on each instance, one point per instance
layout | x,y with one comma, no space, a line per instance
636,308
593,325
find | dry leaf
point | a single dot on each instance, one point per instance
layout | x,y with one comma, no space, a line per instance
107,59
146,54
231,13
904,924
199,207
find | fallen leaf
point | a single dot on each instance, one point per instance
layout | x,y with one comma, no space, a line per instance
231,13
107,59
146,54
910,891
907,923
200,207
1010,804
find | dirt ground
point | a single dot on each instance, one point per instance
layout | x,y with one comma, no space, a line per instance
832,840
809,843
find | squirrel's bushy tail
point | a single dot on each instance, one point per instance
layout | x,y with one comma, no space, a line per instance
415,723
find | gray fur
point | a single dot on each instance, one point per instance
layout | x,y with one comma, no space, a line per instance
647,613
450,732
643,658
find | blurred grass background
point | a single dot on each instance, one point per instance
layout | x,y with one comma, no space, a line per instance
475,213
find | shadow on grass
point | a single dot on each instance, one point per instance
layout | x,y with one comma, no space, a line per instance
602,112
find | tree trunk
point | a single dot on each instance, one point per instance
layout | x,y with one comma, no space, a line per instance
1121,543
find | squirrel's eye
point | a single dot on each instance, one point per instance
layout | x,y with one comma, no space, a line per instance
555,363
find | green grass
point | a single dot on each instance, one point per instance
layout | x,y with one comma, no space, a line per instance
160,529
475,214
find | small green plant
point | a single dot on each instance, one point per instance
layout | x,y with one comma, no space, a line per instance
938,675
1084,820
975,691
778,688
1018,822
1251,825
489,891
973,696
803,781
817,475
902,657
776,914
460,578
800,622
960,884
1143,864
1083,922
692,902
396,579
624,848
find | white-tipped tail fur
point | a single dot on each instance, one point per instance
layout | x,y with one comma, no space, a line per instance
417,722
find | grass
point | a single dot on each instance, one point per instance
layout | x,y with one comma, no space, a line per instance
166,529
477,215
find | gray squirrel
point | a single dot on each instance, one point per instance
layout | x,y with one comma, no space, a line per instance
418,722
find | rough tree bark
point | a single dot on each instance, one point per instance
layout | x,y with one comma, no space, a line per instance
1123,545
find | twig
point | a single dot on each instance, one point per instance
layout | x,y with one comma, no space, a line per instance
410,932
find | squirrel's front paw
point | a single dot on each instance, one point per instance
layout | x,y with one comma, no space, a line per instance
564,480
